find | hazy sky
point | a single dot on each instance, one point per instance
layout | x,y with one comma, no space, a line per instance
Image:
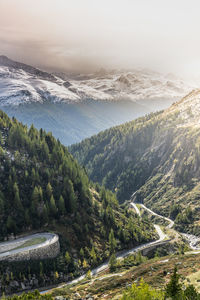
87,34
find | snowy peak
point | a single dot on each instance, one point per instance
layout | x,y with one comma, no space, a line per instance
6,62
140,84
124,81
21,83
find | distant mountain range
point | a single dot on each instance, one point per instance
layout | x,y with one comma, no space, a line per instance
76,107
21,84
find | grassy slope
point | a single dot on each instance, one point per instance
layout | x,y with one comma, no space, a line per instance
156,272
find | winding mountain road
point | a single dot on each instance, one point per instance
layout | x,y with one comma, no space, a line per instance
162,239
194,241
171,222
25,244
121,254
136,208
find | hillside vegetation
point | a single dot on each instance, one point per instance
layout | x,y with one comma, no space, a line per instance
151,279
158,156
43,188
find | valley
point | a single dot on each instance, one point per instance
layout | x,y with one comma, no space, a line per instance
136,233
73,122
157,156
134,230
99,150
75,107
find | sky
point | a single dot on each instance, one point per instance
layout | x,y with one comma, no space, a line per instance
85,35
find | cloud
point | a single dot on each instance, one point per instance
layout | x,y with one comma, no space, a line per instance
85,35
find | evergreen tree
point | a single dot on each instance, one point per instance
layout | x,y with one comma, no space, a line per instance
35,195
112,262
173,288
45,214
112,242
93,256
72,198
190,293
67,258
53,208
17,201
49,190
61,205
82,253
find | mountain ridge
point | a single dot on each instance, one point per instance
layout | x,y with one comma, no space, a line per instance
7,62
157,156
38,85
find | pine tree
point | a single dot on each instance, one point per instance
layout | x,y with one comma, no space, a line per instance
49,190
17,201
67,258
173,288
112,242
85,264
35,195
61,205
93,255
82,253
53,208
190,293
88,275
45,214
56,275
72,198
112,263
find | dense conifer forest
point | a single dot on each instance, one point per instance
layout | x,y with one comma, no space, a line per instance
42,188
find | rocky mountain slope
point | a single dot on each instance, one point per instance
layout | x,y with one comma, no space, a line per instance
157,156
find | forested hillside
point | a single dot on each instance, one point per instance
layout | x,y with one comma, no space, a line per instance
113,156
158,156
43,188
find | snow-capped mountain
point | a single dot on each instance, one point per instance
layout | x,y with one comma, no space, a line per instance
138,84
66,104
21,83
